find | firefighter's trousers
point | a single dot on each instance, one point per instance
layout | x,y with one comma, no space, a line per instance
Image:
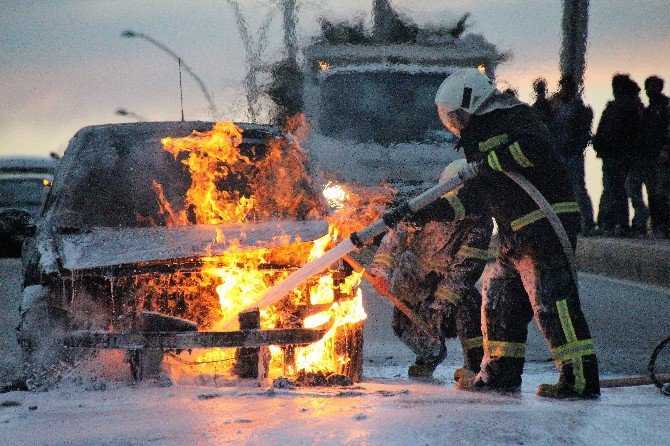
465,322
534,278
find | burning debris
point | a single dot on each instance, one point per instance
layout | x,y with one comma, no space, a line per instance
320,378
313,379
278,186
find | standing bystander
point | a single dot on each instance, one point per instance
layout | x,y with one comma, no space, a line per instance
652,169
541,104
662,227
643,169
616,142
571,129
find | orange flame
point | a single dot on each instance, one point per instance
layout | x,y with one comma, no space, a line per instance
232,183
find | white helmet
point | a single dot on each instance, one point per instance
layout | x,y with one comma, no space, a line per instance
452,169
465,89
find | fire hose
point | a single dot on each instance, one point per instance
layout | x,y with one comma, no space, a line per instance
392,217
551,216
660,381
358,239
541,202
400,305
407,209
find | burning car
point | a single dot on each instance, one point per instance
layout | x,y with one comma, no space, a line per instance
159,237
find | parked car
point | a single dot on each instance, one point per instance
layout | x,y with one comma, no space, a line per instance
24,185
104,251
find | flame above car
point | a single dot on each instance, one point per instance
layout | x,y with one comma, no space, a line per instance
275,185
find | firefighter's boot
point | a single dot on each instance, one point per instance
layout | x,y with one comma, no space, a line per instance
581,385
426,365
418,370
476,383
501,374
472,359
462,373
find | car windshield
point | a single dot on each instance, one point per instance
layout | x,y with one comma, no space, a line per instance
23,191
108,175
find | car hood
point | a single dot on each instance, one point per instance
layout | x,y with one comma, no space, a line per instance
33,209
108,247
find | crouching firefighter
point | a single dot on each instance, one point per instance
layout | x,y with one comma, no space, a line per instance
434,269
532,273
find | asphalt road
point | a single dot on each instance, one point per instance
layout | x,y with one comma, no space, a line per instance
627,320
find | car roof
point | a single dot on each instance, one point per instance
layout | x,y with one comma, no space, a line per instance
37,176
252,133
18,164
108,174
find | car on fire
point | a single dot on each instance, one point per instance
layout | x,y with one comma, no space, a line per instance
157,233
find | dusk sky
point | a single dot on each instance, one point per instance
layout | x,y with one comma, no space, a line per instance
63,64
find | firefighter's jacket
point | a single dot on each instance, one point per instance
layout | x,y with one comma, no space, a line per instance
512,139
442,258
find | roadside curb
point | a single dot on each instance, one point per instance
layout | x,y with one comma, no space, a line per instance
639,260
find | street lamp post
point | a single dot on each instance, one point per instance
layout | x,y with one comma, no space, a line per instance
212,107
575,32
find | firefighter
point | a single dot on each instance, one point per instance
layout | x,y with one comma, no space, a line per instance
434,269
532,274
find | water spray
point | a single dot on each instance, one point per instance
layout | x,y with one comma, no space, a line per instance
358,239
182,65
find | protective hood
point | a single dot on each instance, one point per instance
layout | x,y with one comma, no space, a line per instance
498,101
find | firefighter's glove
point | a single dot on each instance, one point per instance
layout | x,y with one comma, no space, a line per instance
381,285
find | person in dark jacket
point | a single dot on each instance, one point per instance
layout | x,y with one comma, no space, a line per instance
541,104
615,142
645,167
662,225
532,274
571,129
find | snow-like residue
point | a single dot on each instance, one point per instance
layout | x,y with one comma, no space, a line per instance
388,68
102,247
377,413
33,295
371,163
